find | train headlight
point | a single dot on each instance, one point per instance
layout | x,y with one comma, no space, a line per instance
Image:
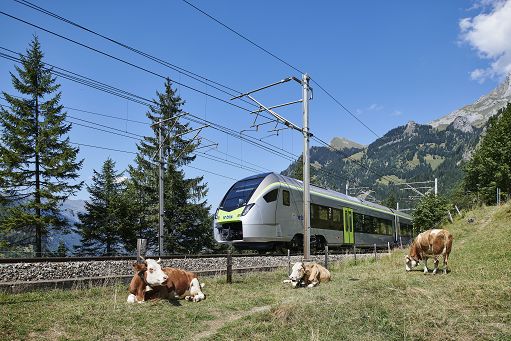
247,208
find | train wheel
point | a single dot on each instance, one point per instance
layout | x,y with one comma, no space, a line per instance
297,242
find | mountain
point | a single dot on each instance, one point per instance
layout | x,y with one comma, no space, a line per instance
69,209
478,113
412,152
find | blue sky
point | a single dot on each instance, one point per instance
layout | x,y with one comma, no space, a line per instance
387,61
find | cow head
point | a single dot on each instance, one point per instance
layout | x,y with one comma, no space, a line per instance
410,263
297,273
152,272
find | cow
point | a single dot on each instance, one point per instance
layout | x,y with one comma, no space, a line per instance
308,275
148,275
431,243
151,281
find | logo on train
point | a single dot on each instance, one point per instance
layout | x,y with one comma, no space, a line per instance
227,217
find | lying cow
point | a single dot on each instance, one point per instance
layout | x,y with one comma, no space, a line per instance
308,275
431,243
151,281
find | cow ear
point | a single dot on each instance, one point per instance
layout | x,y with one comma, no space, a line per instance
139,266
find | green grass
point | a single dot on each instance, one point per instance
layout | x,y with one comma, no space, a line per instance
365,301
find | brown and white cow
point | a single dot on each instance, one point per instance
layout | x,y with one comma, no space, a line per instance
430,243
151,281
308,274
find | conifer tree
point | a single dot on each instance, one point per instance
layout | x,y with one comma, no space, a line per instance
101,227
38,166
490,166
187,220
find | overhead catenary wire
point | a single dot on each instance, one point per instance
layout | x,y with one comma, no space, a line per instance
146,102
242,36
172,66
125,61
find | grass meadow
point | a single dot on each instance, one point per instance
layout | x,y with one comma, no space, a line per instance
369,300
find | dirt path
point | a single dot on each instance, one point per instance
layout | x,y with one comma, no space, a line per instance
216,324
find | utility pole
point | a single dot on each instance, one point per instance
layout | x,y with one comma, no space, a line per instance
160,184
436,187
304,82
306,169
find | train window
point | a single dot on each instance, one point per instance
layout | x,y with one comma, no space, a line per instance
271,195
337,216
240,194
323,213
286,198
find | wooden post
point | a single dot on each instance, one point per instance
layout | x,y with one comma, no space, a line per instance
229,267
288,262
326,256
355,254
375,258
141,249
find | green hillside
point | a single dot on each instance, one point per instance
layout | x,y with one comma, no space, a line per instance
369,300
413,152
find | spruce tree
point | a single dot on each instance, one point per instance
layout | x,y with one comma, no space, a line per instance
101,226
38,166
186,219
490,166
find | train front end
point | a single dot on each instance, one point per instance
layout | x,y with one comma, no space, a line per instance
238,218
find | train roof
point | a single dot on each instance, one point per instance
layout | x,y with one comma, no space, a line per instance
299,183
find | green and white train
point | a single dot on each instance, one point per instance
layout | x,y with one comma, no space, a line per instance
265,211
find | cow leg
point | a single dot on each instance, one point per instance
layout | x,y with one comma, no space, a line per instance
195,291
132,298
436,265
313,278
313,284
426,265
445,263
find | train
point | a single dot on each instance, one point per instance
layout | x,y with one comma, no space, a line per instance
265,212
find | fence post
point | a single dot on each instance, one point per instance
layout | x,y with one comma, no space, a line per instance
326,256
229,267
450,217
388,247
141,249
375,258
288,262
457,210
355,254
401,241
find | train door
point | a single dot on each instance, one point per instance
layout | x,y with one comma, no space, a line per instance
349,234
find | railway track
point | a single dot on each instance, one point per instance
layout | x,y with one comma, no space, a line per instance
28,274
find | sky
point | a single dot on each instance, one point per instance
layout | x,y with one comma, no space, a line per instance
387,62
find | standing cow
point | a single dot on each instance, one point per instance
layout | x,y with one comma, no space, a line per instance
431,243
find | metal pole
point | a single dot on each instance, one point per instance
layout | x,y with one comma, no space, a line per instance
306,169
388,247
354,254
160,184
436,187
375,252
397,206
347,184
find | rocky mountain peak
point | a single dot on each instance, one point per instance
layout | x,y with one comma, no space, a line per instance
410,128
463,124
341,143
479,112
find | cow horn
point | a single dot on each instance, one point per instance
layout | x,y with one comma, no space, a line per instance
159,260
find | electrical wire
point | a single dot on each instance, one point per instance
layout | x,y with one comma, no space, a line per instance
282,61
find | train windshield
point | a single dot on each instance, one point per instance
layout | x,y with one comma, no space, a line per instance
239,194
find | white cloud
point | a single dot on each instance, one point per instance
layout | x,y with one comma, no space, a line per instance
490,35
396,113
375,107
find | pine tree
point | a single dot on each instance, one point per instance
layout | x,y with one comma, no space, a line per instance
101,226
186,219
490,166
37,163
